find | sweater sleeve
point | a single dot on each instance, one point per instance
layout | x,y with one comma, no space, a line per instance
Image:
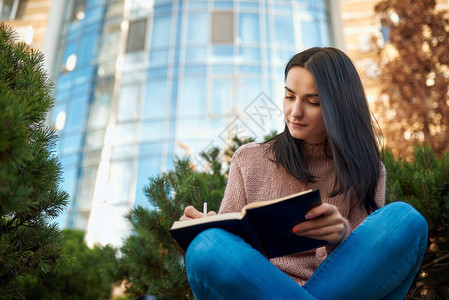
357,213
234,197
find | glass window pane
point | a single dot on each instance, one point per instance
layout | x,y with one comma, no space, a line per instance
160,36
158,57
100,109
249,28
196,55
87,48
310,34
155,100
76,114
249,54
86,187
153,131
222,99
197,28
7,7
119,182
127,103
284,30
94,139
148,167
71,143
136,35
222,27
192,101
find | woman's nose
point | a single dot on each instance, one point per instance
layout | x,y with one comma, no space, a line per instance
297,110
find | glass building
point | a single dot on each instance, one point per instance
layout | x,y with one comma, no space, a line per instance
141,82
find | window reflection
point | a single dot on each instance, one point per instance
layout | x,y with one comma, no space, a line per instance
147,167
192,100
136,35
76,114
128,103
284,35
249,28
155,102
119,182
160,36
222,96
222,27
197,29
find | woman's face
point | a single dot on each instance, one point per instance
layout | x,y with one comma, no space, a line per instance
302,110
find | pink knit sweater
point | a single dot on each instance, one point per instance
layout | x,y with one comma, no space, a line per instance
254,177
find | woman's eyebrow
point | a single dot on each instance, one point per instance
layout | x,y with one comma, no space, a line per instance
289,90
311,95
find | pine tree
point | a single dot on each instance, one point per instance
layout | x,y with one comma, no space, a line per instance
424,183
414,77
85,274
29,171
152,263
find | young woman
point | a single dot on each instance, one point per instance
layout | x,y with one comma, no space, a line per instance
329,144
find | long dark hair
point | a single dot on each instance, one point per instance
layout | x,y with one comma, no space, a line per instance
349,125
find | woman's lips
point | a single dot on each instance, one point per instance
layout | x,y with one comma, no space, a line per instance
298,125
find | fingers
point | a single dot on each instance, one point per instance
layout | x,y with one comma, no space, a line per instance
191,212
324,223
324,209
332,233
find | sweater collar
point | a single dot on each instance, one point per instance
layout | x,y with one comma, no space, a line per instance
317,150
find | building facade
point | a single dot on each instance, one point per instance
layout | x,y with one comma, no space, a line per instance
142,82
28,18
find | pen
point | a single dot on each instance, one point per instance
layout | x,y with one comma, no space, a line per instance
204,209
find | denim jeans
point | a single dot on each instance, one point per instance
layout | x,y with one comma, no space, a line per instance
379,260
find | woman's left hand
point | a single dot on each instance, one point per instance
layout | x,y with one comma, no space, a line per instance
323,222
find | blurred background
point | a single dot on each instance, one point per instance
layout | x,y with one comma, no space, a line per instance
141,82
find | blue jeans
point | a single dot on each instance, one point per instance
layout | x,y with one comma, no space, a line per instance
379,260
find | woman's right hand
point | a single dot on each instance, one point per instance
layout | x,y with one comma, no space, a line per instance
191,213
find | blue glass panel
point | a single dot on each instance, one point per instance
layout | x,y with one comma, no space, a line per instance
222,69
59,108
150,150
70,176
127,102
245,4
223,4
159,57
157,73
161,32
251,69
284,30
221,100
195,55
197,5
71,143
249,54
152,131
76,114
324,33
155,100
195,70
148,167
192,99
310,34
197,28
87,48
223,51
164,8
250,89
249,28
284,55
